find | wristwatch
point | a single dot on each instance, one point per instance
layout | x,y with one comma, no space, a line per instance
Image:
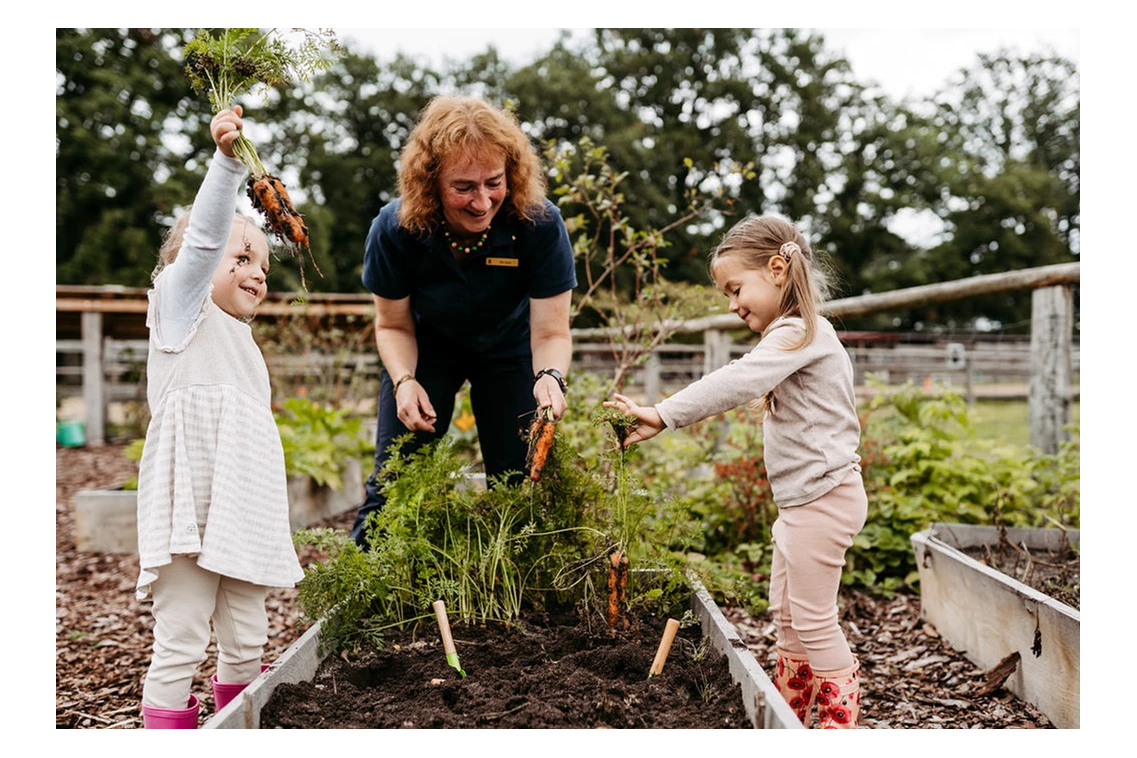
556,375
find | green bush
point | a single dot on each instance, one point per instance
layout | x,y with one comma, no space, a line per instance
921,462
319,439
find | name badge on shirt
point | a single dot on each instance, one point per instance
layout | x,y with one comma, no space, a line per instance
509,262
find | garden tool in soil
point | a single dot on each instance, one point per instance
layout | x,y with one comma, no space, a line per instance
447,639
171,718
224,692
664,647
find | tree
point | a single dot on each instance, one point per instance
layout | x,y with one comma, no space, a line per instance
1010,176
342,137
131,143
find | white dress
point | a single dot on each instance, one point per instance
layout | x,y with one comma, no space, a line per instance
211,482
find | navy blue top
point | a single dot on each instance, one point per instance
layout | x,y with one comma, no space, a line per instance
479,304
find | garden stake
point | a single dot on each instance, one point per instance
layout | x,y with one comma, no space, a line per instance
447,640
664,647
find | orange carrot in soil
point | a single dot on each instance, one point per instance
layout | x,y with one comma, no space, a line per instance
617,588
541,439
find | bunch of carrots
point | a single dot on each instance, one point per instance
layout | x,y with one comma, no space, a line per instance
237,60
541,433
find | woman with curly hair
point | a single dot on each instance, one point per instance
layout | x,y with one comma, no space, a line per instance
472,273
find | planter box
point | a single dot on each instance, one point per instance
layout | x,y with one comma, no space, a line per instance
987,615
106,520
765,708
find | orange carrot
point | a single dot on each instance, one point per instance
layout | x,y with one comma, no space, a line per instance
617,587
269,196
541,440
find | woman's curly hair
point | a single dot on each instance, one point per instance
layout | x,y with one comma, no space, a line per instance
453,127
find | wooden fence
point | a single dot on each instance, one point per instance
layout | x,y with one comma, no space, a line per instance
104,368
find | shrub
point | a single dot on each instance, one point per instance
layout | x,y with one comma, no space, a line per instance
318,439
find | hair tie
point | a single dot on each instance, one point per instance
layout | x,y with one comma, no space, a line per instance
789,248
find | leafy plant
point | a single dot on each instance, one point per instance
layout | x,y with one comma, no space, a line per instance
318,439
922,464
133,452
492,553
237,60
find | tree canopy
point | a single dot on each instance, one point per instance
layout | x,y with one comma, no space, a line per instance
990,163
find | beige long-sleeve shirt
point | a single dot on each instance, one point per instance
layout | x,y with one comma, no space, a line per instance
811,435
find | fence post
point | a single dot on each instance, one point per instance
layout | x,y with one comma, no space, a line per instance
94,389
717,343
1051,326
652,380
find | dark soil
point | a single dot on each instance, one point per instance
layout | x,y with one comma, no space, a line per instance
550,672
911,679
1056,573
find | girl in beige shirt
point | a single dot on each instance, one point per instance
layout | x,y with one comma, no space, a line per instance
803,376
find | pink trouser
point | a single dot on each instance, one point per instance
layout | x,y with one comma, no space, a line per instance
186,598
809,553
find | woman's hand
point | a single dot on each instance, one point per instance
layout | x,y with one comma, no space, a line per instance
650,423
413,407
547,393
226,128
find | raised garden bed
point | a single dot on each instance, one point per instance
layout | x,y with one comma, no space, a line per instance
998,622
709,670
106,520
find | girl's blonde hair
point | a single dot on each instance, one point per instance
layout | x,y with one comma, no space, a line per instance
454,127
172,242
755,240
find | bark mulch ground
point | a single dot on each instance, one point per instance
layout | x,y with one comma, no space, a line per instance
911,678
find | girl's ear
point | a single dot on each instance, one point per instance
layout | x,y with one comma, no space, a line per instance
777,268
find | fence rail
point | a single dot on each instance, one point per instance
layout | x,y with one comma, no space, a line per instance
982,370
103,369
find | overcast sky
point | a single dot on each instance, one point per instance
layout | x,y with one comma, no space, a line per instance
903,61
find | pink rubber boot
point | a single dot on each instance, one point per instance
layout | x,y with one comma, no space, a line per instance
224,692
794,679
168,718
839,697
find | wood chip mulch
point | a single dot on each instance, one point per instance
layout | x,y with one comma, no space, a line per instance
911,679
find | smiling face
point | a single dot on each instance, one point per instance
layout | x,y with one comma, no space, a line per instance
239,281
754,293
472,191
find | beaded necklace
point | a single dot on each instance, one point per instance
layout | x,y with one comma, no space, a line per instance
458,248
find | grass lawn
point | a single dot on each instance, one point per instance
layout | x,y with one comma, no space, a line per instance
1007,420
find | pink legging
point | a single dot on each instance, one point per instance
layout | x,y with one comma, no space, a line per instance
809,553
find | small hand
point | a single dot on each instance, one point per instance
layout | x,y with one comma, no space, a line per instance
226,128
650,422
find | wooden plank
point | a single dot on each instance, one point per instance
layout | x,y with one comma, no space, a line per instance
986,615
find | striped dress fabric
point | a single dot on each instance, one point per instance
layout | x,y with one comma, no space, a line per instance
211,482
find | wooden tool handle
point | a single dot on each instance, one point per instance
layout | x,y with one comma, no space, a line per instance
664,647
444,627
